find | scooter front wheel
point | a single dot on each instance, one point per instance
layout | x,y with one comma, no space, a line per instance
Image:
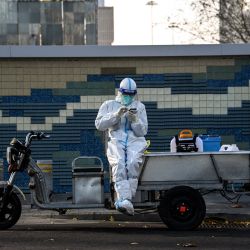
12,211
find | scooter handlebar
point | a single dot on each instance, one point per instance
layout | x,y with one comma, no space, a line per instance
42,135
35,135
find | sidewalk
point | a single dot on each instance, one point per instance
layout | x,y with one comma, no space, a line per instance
217,207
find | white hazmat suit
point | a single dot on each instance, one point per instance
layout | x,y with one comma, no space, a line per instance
126,143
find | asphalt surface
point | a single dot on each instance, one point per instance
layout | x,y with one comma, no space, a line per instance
124,236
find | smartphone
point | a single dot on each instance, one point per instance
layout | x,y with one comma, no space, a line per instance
133,110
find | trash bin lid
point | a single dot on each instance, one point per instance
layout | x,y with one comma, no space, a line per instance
87,169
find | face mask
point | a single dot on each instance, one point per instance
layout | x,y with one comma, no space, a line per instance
126,99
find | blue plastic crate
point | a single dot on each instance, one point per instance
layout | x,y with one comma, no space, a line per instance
211,142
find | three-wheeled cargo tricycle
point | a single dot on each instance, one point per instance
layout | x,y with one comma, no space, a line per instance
173,183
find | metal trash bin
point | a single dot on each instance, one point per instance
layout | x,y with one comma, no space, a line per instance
87,181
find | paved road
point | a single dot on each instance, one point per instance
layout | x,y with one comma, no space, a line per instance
120,235
102,229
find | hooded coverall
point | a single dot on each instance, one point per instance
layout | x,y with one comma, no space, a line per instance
126,144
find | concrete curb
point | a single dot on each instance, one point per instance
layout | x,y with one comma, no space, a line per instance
216,208
113,215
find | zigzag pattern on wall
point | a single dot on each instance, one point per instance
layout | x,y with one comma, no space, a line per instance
34,116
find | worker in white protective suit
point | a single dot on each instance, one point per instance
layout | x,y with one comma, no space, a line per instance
125,119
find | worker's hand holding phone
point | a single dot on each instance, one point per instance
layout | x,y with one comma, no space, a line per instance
132,114
133,110
122,110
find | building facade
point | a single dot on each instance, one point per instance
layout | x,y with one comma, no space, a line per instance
59,91
105,24
48,22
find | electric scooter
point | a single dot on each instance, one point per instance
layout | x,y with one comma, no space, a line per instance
172,184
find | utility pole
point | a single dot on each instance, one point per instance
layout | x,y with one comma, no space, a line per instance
152,4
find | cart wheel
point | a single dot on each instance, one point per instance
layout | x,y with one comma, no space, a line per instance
182,208
12,213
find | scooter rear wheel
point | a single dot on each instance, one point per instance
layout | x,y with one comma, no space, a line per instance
182,208
11,213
